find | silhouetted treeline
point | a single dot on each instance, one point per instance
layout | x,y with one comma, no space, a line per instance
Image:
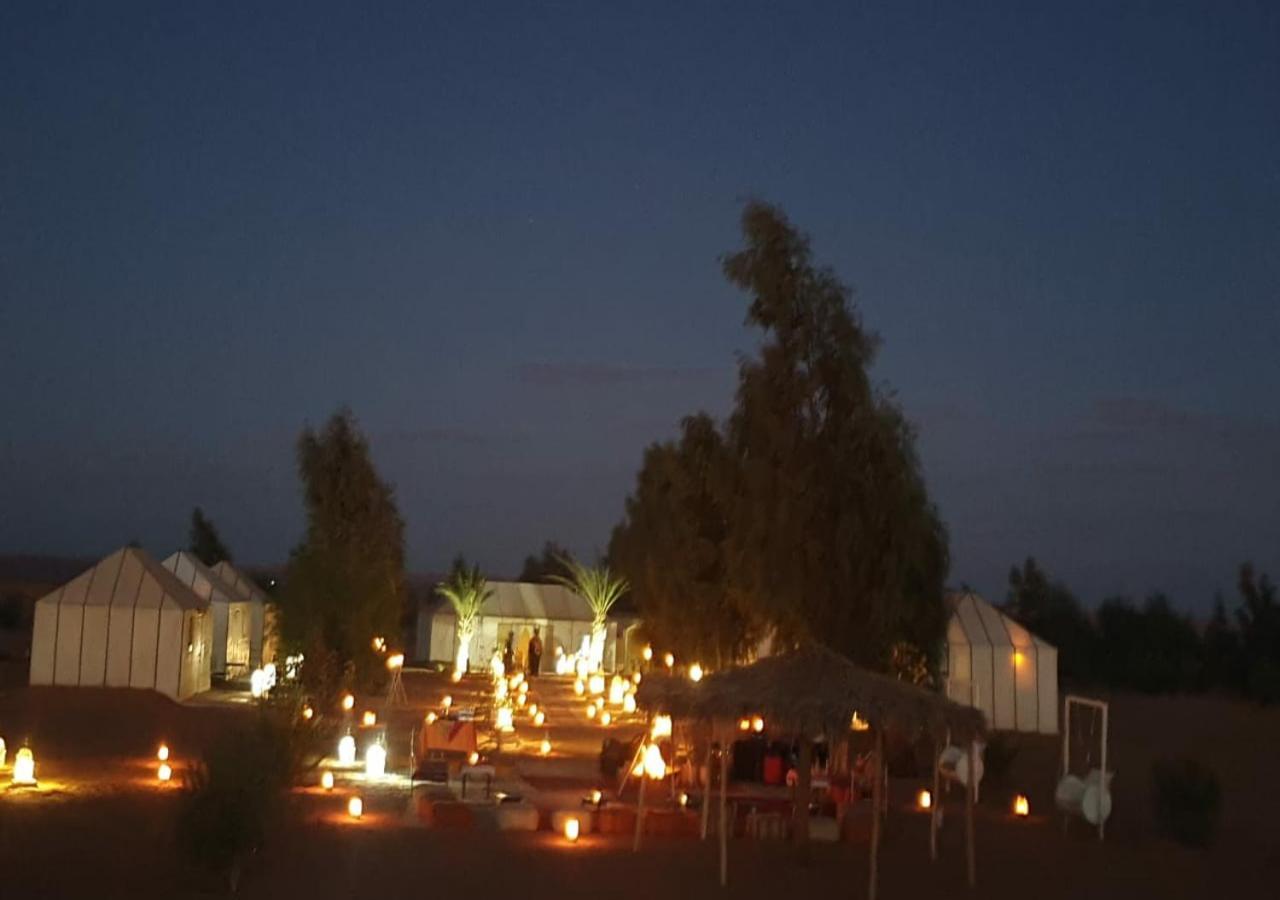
1150,646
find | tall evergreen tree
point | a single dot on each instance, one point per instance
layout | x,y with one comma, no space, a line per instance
346,580
833,534
671,547
1259,618
545,569
1050,610
205,543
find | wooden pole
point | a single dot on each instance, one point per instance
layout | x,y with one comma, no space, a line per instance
804,789
970,794
876,790
724,819
644,777
706,789
937,801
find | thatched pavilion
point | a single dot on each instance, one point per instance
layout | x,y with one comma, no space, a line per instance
814,692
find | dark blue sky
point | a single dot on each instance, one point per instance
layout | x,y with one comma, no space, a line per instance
493,232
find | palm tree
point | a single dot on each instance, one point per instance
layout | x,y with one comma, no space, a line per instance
467,590
601,589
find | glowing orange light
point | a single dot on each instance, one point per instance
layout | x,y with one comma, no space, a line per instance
474,758
1021,806
924,800
757,724
164,773
571,829
369,719
355,807
308,712
162,754
326,781
348,702
744,724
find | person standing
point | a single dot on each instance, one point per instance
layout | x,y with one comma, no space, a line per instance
535,652
509,653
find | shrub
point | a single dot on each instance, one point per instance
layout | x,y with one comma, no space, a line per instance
1187,798
998,758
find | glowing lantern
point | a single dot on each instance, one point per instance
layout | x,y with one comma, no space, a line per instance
497,666
647,653
571,828
661,727
504,720
596,685
473,759
523,688
596,797
308,712
455,676
606,718
24,767
539,718
695,672
744,724
379,644
591,710
3,752
431,718
924,800
857,723
635,679
355,807
654,765
669,659
369,719
163,753
326,780
257,683
579,688
447,702
164,773
375,761
617,690
533,709
629,703
545,748
683,799
521,699
348,702
347,750
1021,806
1018,658
395,661
757,724
581,668
500,690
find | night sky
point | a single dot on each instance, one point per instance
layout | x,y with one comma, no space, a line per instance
494,234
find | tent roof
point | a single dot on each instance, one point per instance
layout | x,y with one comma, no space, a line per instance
112,564
245,588
807,690
527,600
977,623
184,562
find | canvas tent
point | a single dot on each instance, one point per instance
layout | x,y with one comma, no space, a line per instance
517,606
997,666
261,638
126,622
232,614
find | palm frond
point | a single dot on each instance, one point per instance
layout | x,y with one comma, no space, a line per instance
595,584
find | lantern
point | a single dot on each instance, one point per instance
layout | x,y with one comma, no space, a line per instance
617,690
473,759
654,765
455,676
326,780
596,797
521,699
308,712
539,718
395,661
571,828
162,754
504,719
1021,806
533,709
744,724
757,724
257,683
431,718
447,702
3,752
164,773
500,689
369,719
379,644
523,688
591,710
661,727
578,687
635,679
581,668
606,718
355,807
348,702
24,767
347,750
375,761
669,659
595,685
857,723
695,672
629,703
647,653
545,748
924,800
683,799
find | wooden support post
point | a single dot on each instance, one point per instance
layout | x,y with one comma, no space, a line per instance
971,797
804,789
644,777
706,789
876,789
724,818
937,803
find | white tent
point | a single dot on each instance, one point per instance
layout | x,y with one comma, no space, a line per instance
126,622
232,615
250,593
997,666
517,606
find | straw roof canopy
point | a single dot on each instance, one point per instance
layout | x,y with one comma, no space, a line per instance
812,690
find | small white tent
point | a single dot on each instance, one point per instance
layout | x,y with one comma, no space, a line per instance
261,642
232,615
126,622
997,666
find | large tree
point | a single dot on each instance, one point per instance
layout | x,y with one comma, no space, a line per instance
346,580
833,535
670,546
545,569
1051,611
466,590
205,542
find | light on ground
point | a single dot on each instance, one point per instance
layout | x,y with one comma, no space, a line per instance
571,828
669,659
375,761
695,672
162,753
545,749
326,780
1021,806
164,773
647,653
348,702
355,807
539,718
24,767
369,719
347,750
924,800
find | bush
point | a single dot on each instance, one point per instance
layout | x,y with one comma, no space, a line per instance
998,758
1187,798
